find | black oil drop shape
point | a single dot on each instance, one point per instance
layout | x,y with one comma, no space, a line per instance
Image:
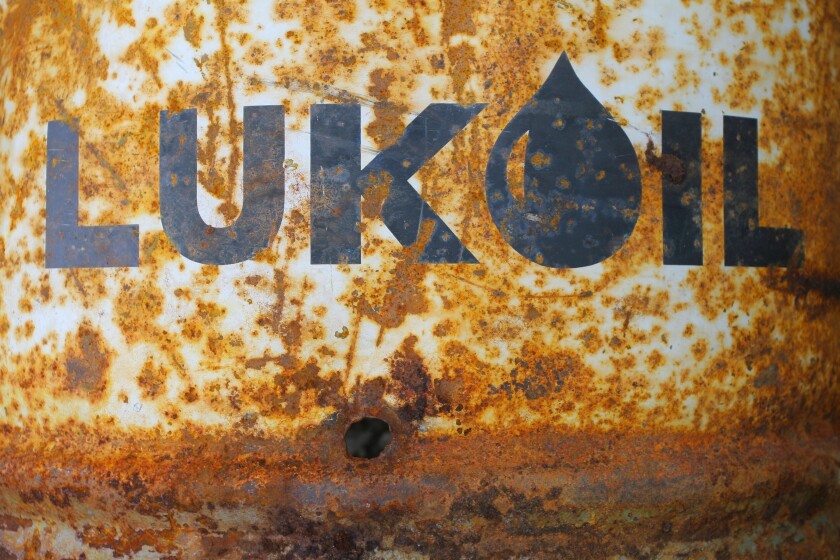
582,180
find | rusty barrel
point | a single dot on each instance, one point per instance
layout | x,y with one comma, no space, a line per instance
421,279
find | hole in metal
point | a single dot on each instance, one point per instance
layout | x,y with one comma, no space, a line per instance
366,438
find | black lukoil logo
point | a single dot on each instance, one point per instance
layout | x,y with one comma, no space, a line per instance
582,187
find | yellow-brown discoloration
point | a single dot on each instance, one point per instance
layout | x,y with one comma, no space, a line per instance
140,378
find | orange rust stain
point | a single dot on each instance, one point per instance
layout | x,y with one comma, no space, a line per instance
462,59
384,128
540,160
399,296
138,305
377,189
457,18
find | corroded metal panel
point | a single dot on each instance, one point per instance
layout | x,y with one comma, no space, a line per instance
580,256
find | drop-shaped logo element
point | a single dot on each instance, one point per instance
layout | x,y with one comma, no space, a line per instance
582,180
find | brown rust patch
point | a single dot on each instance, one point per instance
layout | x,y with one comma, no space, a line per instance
192,29
12,523
672,167
86,363
802,284
411,382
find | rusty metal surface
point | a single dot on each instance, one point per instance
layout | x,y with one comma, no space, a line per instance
629,408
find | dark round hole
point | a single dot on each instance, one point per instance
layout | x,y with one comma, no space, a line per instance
366,438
